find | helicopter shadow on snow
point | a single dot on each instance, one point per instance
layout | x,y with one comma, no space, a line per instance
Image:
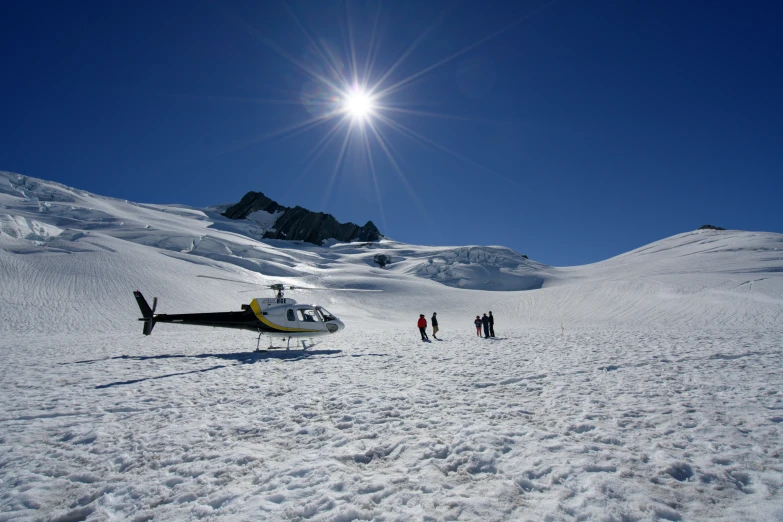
241,358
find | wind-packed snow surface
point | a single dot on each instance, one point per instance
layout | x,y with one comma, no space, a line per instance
644,387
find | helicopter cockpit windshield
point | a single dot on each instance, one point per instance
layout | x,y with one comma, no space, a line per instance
326,314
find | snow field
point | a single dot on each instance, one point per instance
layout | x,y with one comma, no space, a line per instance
534,425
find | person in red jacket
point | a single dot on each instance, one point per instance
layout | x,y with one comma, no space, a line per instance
423,328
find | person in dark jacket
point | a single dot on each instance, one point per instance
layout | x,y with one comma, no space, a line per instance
485,322
423,327
435,328
491,325
477,323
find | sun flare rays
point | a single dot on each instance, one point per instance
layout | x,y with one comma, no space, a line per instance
360,102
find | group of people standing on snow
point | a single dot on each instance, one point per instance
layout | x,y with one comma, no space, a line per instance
422,324
487,322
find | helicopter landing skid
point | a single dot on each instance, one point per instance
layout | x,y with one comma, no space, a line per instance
287,346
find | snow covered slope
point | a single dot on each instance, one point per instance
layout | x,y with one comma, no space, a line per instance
91,251
643,387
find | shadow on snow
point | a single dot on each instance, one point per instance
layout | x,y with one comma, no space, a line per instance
242,358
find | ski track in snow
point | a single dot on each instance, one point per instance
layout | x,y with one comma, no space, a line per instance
536,424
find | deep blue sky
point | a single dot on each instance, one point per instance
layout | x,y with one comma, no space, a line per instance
584,131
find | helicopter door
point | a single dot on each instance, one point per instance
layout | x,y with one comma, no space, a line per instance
309,319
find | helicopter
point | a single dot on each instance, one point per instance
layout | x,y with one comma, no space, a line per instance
278,316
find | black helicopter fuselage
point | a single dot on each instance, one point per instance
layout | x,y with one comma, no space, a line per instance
264,316
244,320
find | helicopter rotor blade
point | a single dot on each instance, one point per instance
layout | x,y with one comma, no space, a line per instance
328,289
323,289
280,286
350,289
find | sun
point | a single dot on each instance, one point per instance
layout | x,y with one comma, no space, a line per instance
358,104
361,103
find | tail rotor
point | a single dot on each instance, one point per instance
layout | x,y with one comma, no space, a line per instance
148,314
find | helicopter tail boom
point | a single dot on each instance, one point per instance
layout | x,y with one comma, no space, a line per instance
148,314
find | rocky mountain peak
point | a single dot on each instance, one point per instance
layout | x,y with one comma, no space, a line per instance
252,202
301,224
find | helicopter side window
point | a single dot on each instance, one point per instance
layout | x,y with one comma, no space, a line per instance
289,314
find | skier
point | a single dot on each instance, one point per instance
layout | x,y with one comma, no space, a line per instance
434,325
485,322
477,322
491,325
423,327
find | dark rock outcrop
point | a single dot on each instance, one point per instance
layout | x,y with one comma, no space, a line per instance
300,224
252,202
381,260
710,227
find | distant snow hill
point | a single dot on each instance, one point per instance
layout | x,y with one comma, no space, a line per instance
71,258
